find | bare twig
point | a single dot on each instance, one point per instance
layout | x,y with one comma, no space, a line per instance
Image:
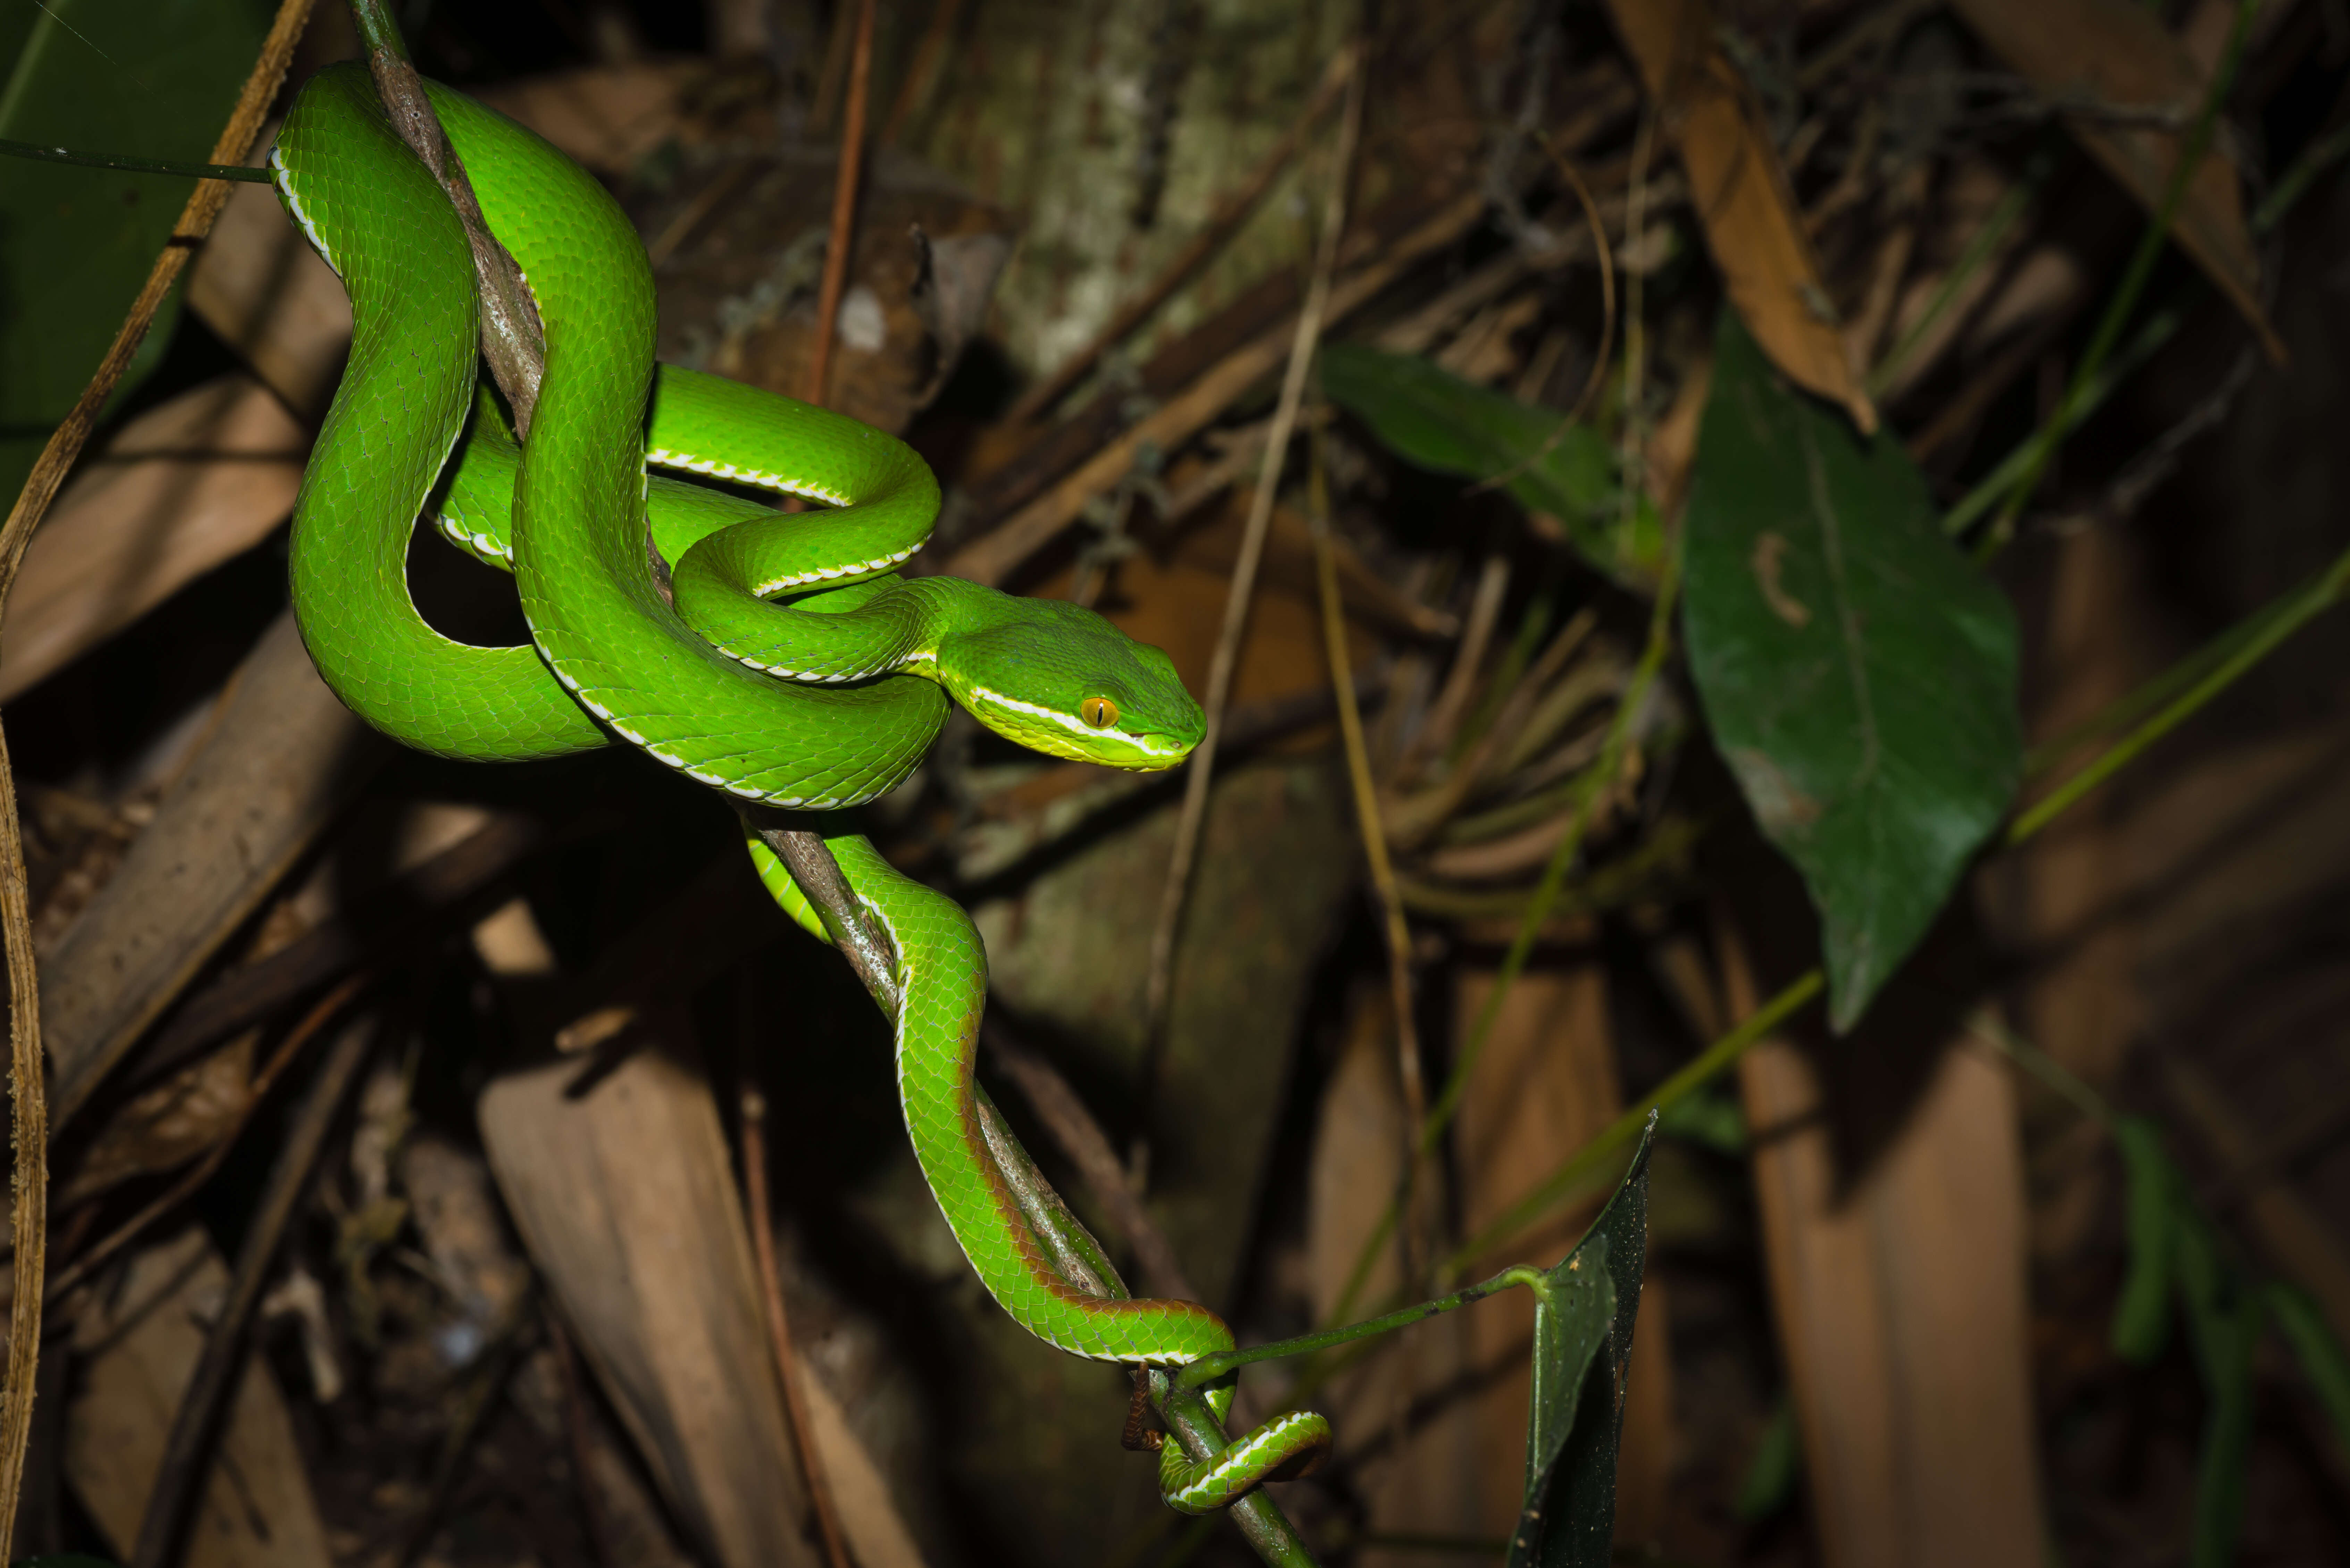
1081,1139
189,1450
512,341
858,936
188,1186
837,243
29,1119
921,74
1221,226
779,1327
1244,587
596,1527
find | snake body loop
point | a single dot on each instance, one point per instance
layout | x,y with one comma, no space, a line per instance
794,669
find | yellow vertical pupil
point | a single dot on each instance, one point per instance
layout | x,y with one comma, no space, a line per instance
1098,712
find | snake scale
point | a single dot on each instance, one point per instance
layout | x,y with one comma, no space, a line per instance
789,665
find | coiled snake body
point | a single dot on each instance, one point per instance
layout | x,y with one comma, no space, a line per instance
780,673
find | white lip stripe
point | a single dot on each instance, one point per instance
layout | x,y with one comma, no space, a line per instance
1074,725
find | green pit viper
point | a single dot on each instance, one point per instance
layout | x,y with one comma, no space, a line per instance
794,668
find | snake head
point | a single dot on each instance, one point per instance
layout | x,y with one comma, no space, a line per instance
1060,679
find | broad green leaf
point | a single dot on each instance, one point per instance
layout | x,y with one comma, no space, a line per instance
1434,420
2323,1360
153,78
1858,674
1708,1119
2142,1315
1778,1461
1582,1349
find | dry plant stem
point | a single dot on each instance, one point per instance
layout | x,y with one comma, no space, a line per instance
28,1121
779,1328
1606,322
86,1261
858,936
1460,681
1366,804
1226,221
1630,469
840,239
191,1446
1081,1139
575,1421
512,341
921,74
1244,587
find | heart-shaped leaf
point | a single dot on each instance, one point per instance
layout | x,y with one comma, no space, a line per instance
1858,672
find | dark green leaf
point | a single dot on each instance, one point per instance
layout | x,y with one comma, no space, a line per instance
1434,420
2323,1360
2142,1316
1778,1461
147,77
1859,674
1582,1349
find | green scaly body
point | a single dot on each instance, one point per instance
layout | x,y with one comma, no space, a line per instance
824,701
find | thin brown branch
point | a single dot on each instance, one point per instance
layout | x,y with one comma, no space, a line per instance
779,1327
840,240
29,1123
191,1447
1221,226
511,339
593,1522
921,74
188,1186
1226,660
1081,1139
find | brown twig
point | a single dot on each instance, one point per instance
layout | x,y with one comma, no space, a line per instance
188,1186
858,937
597,1526
1226,660
779,1327
922,72
839,241
1591,383
1081,1139
188,1451
1221,226
992,556
512,341
29,1120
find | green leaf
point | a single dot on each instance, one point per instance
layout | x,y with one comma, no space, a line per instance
1778,1461
1434,420
149,78
1859,674
1708,1118
1582,1349
2142,1315
2323,1360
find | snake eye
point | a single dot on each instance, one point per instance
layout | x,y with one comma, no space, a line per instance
1098,712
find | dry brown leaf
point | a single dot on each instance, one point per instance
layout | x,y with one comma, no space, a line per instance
2118,52
180,488
1739,189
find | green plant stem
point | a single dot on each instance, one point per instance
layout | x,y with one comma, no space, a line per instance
2160,329
2314,159
2069,409
1208,1368
2273,628
1192,1424
1591,1160
12,149
1978,251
